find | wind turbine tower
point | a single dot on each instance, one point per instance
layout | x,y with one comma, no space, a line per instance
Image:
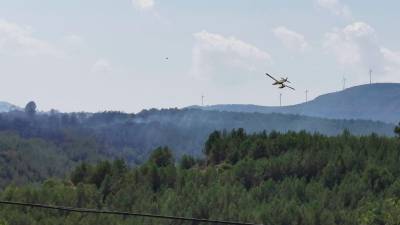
202,100
370,76
280,99
306,96
344,83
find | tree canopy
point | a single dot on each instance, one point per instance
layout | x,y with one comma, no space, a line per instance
269,178
30,108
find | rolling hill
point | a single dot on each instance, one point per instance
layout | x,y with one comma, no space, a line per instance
6,107
379,102
57,141
186,130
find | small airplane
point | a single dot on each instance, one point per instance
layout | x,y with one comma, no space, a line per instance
282,82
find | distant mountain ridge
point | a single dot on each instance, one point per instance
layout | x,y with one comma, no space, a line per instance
7,107
378,102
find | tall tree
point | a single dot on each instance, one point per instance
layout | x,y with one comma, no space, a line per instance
397,130
162,157
30,109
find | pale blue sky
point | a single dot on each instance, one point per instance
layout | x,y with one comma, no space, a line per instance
110,55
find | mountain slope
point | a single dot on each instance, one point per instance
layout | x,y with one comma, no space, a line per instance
380,102
186,130
6,107
49,144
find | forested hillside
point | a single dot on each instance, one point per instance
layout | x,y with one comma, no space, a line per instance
29,160
34,146
269,178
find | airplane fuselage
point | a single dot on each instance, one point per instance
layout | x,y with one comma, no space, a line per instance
280,82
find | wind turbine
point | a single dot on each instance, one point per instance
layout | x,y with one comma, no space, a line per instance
370,76
306,96
344,82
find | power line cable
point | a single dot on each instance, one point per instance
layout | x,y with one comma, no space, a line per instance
95,211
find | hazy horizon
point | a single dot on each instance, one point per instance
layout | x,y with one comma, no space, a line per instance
102,55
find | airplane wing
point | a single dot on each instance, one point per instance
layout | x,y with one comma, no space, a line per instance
271,77
289,87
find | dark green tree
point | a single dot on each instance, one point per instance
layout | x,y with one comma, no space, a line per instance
397,130
30,109
187,162
80,174
162,157
154,178
100,172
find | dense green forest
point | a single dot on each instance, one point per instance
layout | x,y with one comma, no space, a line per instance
29,160
36,145
270,178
